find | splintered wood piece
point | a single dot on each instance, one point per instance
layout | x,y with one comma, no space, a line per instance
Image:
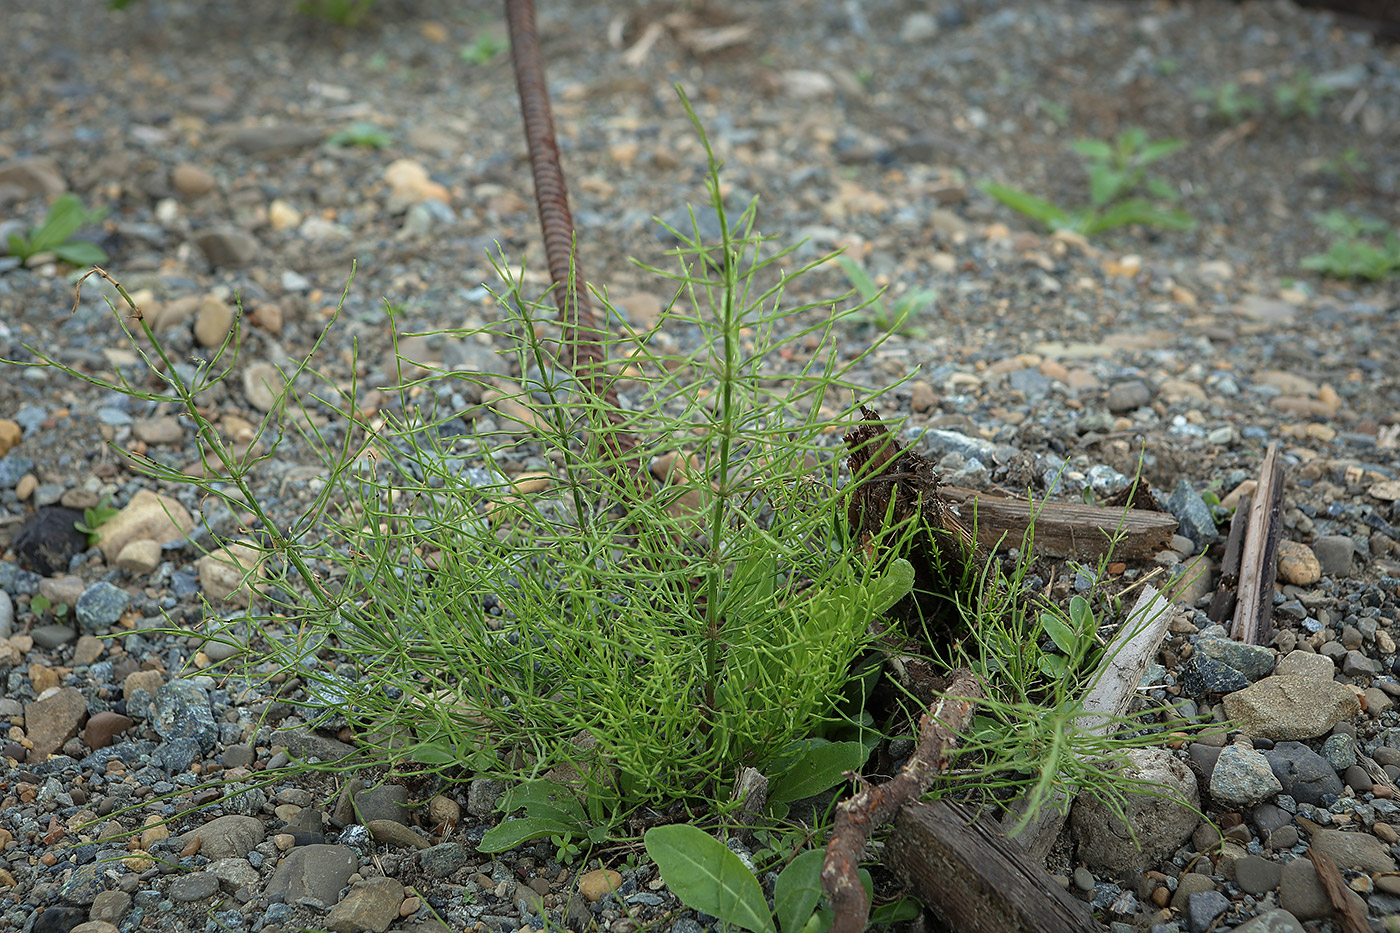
1064,529
1343,899
1254,608
1222,604
976,881
873,806
1124,661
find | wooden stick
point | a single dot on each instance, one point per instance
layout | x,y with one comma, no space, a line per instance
1222,604
1352,914
1259,560
875,805
1125,660
1064,529
973,879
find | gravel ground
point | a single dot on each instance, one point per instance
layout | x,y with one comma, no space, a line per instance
204,127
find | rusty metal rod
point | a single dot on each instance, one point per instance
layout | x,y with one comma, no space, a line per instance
582,344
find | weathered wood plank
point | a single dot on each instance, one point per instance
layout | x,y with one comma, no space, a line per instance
1254,608
1063,529
974,879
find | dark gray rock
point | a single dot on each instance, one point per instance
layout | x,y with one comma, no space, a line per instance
1272,921
360,804
195,886
52,635
1257,875
13,466
1334,553
227,247
180,709
49,540
1306,776
58,920
1204,676
1127,396
442,860
1197,521
1202,909
84,885
227,837
1253,661
100,606
312,873
274,139
1242,778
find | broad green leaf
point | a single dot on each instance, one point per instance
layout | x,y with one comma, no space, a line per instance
1105,184
900,911
891,586
1095,149
1060,633
512,833
1028,204
19,246
1162,148
80,253
1081,616
818,769
433,754
65,217
706,876
544,798
797,890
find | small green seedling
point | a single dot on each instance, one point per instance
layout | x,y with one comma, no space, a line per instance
42,604
1121,190
1355,254
483,49
1300,96
1228,103
360,133
888,319
66,215
553,811
348,13
94,518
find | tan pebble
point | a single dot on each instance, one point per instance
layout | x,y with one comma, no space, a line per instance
48,859
282,216
26,486
409,907
531,482
594,884
1384,831
141,556
1081,380
269,318
153,830
191,181
624,153
433,31
212,324
1231,499
138,861
1297,564
284,841
286,811
1183,296
192,847
1053,369
921,396
10,435
7,880
1329,397
443,809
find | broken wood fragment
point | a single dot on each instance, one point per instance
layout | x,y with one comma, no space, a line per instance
974,879
1342,898
874,805
1254,607
1064,529
1125,659
1222,604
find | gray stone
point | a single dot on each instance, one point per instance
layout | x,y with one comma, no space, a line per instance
1340,751
1203,908
31,178
1242,777
370,905
1358,851
443,859
195,886
13,466
1253,661
84,885
1188,884
1127,396
314,873
180,710
394,833
1356,664
1305,664
1160,822
227,837
52,720
1272,921
109,906
234,873
273,139
1334,553
1306,776
100,607
52,635
384,802
1256,875
1291,707
227,247
481,796
309,745
1205,676
1197,521
7,615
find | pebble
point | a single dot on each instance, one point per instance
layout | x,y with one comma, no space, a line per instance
1297,564
227,247
191,181
1291,707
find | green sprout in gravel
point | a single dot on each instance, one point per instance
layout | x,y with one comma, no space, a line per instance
896,318
1357,253
484,49
66,216
94,518
1121,189
1228,104
360,133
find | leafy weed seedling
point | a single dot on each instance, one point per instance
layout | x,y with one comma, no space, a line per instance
362,134
1121,190
66,216
1355,253
94,518
890,319
1228,104
348,13
484,49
